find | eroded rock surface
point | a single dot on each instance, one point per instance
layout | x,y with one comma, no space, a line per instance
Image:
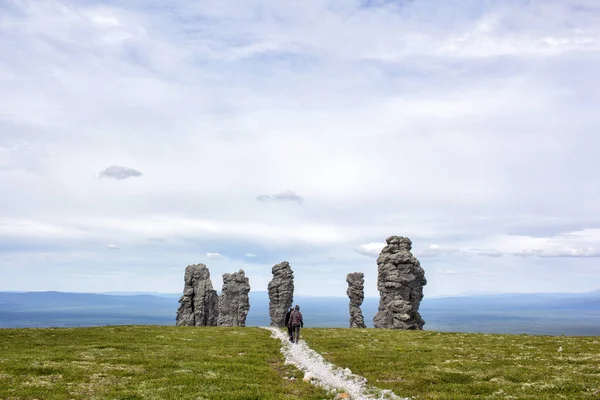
356,293
400,281
234,302
281,292
198,305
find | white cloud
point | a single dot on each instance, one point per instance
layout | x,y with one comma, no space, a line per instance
22,228
560,251
250,255
214,256
447,271
435,250
574,244
113,246
286,195
160,228
219,105
489,253
119,172
370,249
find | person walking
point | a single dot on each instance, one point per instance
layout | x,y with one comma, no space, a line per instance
296,321
287,323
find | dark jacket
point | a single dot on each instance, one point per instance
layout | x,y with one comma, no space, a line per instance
296,318
287,317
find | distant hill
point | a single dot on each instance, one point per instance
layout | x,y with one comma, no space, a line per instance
540,313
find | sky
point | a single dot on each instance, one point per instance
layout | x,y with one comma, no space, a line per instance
137,138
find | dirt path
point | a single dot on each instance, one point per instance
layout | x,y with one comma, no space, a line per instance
324,374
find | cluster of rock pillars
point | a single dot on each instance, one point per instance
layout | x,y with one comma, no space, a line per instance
400,281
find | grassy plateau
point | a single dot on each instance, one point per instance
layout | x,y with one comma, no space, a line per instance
147,362
434,365
161,362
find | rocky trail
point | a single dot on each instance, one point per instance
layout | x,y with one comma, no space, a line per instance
324,374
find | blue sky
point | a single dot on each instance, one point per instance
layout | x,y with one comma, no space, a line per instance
137,138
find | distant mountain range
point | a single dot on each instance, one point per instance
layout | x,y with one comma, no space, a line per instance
539,313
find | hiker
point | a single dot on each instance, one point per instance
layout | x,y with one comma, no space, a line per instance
287,323
296,322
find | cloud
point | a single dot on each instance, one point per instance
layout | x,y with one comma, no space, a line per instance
435,250
559,252
286,195
113,246
255,101
447,271
118,172
546,249
487,253
569,244
250,255
214,256
177,228
370,249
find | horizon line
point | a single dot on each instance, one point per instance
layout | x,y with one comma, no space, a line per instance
474,294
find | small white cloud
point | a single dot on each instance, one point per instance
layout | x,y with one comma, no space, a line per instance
286,195
250,255
370,249
447,271
119,172
113,246
564,251
435,250
214,256
572,244
490,253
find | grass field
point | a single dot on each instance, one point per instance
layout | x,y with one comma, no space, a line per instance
147,362
160,362
432,365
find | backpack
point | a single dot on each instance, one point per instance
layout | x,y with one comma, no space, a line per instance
295,318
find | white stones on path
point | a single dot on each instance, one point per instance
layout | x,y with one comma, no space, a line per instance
326,375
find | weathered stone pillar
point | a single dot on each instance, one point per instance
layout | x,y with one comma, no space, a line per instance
234,302
400,280
281,292
356,293
198,305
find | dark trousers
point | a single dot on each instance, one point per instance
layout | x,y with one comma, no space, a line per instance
290,332
296,333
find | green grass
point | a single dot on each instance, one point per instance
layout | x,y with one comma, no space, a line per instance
159,362
432,365
147,362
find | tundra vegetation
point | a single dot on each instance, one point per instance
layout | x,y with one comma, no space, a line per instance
147,362
435,365
168,362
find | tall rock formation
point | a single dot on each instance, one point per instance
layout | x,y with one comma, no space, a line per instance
198,305
356,293
234,302
281,292
400,281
